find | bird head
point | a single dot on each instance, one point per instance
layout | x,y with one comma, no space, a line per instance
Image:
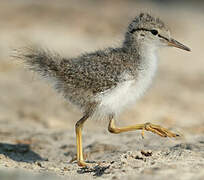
151,31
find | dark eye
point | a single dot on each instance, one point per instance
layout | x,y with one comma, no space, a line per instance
133,30
154,32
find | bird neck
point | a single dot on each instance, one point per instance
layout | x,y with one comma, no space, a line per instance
139,49
140,52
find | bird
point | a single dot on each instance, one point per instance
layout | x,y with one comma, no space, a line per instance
105,82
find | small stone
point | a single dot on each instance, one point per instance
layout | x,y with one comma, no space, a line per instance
64,146
114,178
65,169
39,164
146,153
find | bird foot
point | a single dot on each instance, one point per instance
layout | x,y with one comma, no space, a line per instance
89,165
84,164
163,132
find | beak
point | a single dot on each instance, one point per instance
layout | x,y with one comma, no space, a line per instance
174,43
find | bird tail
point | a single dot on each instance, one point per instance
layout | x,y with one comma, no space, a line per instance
46,63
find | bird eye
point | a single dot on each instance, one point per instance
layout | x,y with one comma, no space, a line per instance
133,30
154,32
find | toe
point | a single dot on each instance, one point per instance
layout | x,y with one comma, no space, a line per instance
163,132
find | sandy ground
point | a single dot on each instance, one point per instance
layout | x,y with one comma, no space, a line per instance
37,139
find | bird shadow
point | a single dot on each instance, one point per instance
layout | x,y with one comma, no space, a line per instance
20,153
98,170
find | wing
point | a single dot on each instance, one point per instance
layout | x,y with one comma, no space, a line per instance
93,72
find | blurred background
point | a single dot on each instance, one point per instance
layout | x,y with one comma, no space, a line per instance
70,27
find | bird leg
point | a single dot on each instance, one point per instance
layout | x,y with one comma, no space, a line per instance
78,129
163,132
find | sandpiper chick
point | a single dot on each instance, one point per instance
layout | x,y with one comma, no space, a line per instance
105,82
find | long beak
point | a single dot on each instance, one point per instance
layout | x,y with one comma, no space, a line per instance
174,43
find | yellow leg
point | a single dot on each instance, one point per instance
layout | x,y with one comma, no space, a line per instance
147,126
78,129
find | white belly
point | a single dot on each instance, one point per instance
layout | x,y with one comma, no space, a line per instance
126,93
